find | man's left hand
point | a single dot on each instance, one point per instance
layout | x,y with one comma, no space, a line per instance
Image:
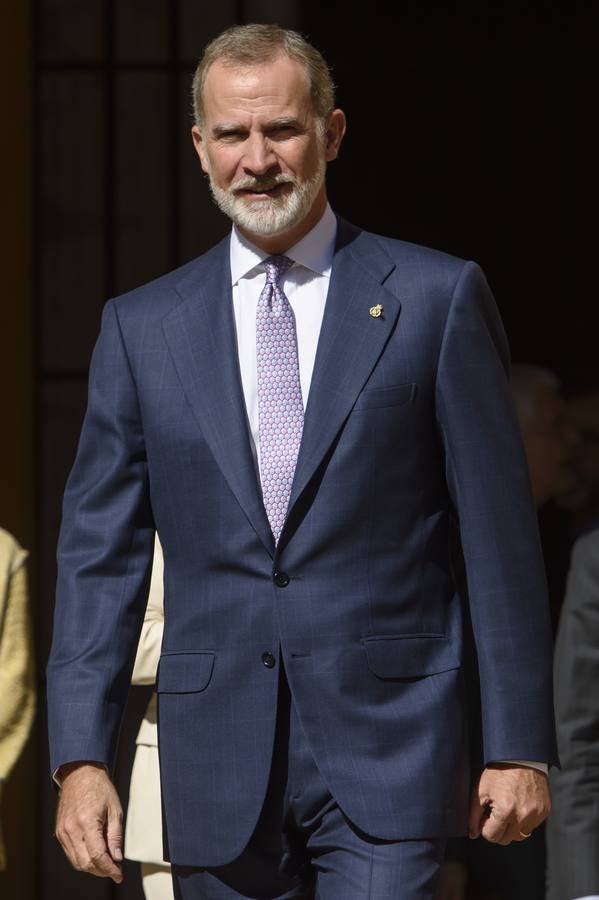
508,803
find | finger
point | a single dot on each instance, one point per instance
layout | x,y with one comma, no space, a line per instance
506,838
518,836
103,866
71,850
69,836
114,834
495,828
494,836
517,831
479,812
523,830
99,861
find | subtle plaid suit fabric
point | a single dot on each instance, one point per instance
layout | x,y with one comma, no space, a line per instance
303,846
408,426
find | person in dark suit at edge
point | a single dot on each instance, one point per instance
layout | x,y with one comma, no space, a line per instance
302,414
573,832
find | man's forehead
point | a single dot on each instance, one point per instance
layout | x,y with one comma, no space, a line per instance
281,80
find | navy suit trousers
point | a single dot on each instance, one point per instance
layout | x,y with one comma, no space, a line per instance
303,845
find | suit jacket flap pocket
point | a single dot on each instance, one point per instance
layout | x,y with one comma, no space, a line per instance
184,673
396,395
410,655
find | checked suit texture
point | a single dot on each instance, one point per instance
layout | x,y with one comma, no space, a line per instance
408,433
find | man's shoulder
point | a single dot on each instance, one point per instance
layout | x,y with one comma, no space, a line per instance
409,253
159,296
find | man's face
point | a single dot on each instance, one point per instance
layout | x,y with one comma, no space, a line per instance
262,147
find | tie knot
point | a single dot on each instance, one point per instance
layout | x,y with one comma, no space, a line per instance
276,266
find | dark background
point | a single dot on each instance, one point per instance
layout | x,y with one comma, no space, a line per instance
469,130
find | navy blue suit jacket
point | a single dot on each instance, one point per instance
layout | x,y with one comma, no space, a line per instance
408,428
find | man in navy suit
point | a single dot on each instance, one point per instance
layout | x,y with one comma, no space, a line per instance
308,415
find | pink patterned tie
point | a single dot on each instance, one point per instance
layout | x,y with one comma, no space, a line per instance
280,407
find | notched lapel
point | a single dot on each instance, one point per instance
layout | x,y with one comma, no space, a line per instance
351,341
200,334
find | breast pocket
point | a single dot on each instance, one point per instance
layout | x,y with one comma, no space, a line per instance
396,395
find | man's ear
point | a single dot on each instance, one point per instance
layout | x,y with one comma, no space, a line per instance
198,143
335,129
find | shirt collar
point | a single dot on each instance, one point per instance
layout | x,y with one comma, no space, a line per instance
314,251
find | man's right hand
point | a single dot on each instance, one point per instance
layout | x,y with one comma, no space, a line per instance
89,820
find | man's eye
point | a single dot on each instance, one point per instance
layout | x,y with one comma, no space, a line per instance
283,131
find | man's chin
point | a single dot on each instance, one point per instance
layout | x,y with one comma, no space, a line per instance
258,217
262,229
257,203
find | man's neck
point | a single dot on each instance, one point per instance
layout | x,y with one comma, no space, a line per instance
274,244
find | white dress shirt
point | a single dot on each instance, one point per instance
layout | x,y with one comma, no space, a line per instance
306,285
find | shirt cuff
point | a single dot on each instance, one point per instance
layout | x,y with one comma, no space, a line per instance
588,897
531,764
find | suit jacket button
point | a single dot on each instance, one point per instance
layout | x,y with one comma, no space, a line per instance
281,579
268,660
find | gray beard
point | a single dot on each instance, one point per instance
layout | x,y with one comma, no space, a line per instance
274,215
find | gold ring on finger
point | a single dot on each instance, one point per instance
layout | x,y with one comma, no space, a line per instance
525,834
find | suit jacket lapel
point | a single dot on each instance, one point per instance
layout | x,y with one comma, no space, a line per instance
350,343
200,333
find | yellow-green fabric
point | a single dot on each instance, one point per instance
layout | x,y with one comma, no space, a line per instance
17,686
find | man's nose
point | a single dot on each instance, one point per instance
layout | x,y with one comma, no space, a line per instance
259,157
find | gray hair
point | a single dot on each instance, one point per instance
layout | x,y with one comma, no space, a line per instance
523,381
253,45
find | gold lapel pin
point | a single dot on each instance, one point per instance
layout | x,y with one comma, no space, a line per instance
376,311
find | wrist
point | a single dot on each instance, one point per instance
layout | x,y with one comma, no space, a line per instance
67,769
